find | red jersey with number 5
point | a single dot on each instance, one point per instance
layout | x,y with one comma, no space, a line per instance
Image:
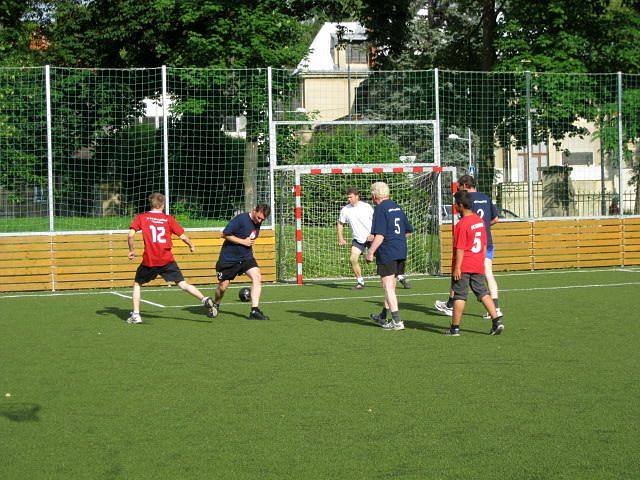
156,228
470,235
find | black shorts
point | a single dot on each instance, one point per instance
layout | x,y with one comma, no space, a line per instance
395,267
229,271
477,281
360,246
170,272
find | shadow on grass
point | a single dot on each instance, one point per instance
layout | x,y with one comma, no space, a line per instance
332,317
20,412
123,314
429,327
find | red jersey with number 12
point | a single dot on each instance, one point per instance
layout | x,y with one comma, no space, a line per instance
156,228
470,235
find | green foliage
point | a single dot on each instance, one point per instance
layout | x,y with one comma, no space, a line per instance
344,143
185,34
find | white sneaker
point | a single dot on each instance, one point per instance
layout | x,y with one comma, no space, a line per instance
391,325
486,316
442,307
134,318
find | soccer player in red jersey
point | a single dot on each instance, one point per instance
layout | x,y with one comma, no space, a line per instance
469,249
157,259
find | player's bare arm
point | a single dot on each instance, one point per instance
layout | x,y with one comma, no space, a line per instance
187,241
457,269
341,240
132,253
377,241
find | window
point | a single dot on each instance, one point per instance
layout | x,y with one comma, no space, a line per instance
539,157
357,53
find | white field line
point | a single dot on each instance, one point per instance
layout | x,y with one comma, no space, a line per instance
118,294
320,283
428,294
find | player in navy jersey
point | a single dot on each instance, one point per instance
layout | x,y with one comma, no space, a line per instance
236,257
157,258
485,209
390,228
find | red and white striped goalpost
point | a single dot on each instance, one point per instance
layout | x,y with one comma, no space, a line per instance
334,170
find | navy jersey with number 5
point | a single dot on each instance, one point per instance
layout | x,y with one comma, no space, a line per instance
486,210
390,221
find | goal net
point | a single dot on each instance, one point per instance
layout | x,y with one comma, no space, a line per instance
308,203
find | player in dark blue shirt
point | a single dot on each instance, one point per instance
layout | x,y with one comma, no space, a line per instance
236,257
485,209
390,228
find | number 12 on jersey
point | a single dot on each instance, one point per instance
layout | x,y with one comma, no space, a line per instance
158,234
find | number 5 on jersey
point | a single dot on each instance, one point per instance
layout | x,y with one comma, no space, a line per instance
477,242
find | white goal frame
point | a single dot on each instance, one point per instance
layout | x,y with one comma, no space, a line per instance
300,170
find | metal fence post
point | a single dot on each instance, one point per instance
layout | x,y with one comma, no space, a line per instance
47,83
272,148
529,142
165,136
620,155
436,139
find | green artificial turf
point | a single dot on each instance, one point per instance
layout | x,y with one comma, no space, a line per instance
319,391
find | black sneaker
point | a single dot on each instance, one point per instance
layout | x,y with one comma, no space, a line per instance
452,332
497,327
377,319
405,283
212,308
358,286
256,314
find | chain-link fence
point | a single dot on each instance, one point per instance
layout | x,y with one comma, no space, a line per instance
81,149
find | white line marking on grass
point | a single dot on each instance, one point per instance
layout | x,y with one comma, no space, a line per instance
321,283
426,294
118,294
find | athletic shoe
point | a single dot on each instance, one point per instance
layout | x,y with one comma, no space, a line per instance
212,308
134,318
452,332
358,286
391,325
376,319
497,327
486,316
398,325
405,283
442,307
256,314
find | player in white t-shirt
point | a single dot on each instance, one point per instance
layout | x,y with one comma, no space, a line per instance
358,215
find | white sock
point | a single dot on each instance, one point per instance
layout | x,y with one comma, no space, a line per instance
400,277
361,280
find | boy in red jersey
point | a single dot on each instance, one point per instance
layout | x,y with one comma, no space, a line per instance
157,259
469,248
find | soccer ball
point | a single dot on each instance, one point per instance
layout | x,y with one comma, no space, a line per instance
244,294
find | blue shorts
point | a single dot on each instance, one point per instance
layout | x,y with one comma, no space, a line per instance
360,246
489,254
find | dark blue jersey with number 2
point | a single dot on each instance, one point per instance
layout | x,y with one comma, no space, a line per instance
486,210
390,221
240,226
